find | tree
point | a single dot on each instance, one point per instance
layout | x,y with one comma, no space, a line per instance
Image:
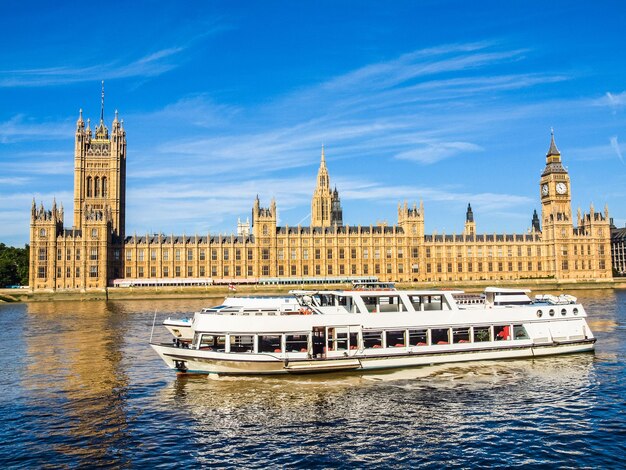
13,265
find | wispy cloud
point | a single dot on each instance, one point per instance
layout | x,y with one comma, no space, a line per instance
15,181
38,163
153,64
615,146
615,101
438,151
425,106
20,127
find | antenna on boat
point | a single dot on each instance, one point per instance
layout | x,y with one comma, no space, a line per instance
153,322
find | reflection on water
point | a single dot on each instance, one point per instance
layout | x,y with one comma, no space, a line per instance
91,391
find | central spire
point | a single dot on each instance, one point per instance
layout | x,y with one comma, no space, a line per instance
323,181
325,206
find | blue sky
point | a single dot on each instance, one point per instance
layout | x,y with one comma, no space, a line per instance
448,102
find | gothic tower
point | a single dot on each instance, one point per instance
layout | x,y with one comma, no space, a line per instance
100,171
556,198
326,205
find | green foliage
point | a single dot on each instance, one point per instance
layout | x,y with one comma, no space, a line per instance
13,265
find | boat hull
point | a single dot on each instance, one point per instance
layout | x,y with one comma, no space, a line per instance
207,362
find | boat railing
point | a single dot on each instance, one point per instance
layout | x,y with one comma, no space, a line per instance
469,299
563,299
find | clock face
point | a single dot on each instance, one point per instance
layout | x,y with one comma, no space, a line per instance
544,190
561,188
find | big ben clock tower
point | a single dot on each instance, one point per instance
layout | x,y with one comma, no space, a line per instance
556,210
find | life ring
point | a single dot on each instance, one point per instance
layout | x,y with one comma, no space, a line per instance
305,311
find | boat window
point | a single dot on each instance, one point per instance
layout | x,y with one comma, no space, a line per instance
390,304
395,339
416,301
337,339
269,344
370,304
502,332
354,341
206,342
372,339
418,337
296,343
482,333
212,343
460,335
519,332
432,302
440,335
242,343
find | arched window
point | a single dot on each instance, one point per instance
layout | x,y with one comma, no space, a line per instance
265,230
104,186
89,187
96,186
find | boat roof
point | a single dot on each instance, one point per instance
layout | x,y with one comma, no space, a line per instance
496,290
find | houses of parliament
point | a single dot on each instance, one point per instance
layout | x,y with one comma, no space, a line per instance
95,252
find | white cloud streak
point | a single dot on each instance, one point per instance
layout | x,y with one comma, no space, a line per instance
20,128
151,65
616,148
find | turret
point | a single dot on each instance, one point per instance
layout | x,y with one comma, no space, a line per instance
536,227
470,225
411,220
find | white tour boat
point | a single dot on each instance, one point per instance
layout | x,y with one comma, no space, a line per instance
361,330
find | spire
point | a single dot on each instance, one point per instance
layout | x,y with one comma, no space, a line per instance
535,222
469,215
102,105
80,121
553,150
323,156
101,131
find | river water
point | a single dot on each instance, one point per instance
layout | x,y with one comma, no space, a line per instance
81,387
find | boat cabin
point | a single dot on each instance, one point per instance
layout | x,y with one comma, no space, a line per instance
376,301
499,297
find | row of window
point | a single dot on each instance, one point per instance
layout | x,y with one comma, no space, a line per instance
42,254
265,254
42,272
342,339
292,270
97,187
439,267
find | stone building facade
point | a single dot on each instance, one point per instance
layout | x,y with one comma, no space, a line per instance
95,251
